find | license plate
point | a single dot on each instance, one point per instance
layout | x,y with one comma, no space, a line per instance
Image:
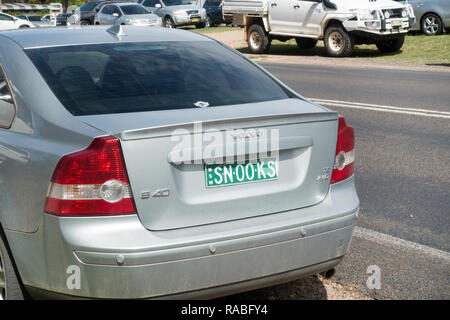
217,175
195,20
397,23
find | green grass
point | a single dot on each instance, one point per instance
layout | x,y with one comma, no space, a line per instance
417,49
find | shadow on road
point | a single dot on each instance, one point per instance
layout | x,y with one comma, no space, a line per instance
310,288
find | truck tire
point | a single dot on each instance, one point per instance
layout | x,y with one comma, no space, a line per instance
85,23
431,25
391,45
338,42
306,43
10,288
257,39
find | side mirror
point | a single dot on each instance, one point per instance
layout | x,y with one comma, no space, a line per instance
115,15
158,6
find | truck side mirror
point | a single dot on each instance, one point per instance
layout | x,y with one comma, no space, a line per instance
158,6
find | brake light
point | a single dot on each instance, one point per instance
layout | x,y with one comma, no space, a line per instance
91,182
345,152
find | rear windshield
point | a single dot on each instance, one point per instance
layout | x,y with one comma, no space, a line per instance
135,77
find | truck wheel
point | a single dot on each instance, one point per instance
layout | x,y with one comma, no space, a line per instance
9,281
85,23
257,39
306,43
391,45
431,25
338,42
208,22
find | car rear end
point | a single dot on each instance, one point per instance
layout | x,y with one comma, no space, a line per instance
184,188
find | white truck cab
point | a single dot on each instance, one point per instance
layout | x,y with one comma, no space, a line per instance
339,23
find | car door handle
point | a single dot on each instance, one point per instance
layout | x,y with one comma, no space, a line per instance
274,4
296,6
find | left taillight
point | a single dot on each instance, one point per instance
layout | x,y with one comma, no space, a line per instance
91,182
345,152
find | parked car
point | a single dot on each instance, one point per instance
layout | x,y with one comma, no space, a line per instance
36,20
61,19
177,12
93,121
85,14
213,12
10,22
433,16
127,13
339,23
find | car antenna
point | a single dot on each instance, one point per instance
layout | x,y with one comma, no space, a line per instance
116,30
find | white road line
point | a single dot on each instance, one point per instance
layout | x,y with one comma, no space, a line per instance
382,108
383,239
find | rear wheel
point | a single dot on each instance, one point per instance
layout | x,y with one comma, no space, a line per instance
391,45
431,25
208,22
24,26
85,23
306,43
257,39
338,42
168,22
10,288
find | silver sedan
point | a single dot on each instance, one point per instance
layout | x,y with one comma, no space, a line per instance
126,14
151,162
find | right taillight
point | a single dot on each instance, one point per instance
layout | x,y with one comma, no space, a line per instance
345,152
91,182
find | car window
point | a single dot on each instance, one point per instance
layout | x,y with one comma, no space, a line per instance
134,77
4,17
150,3
107,10
89,6
133,9
7,108
34,18
116,10
176,2
213,2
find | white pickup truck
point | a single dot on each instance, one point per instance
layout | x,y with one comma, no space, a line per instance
341,24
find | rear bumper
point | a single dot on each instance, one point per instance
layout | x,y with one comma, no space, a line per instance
118,258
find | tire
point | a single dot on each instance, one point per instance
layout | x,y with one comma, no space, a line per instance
391,45
24,26
168,22
10,288
258,40
200,25
431,25
208,22
338,42
306,43
85,23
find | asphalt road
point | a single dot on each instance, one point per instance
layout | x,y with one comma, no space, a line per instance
402,173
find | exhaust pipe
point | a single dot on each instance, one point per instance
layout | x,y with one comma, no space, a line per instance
329,273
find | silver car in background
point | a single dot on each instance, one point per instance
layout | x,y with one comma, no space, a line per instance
124,176
126,14
432,16
177,12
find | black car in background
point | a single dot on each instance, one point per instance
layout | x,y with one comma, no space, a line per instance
214,12
61,19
